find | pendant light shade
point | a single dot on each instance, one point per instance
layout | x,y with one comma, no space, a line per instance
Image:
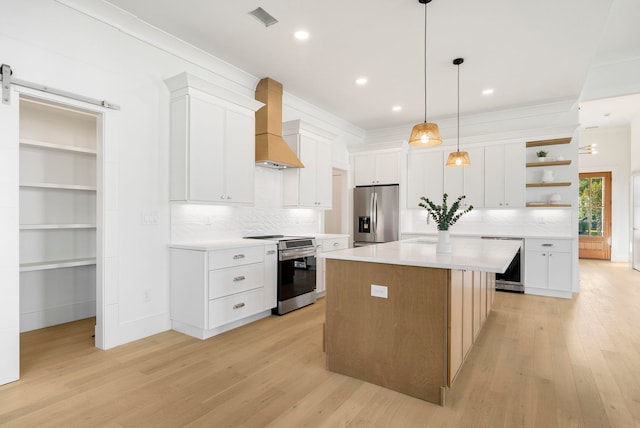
425,134
458,158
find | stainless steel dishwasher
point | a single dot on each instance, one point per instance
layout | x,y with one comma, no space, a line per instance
513,278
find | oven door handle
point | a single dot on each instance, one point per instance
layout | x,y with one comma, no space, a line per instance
296,254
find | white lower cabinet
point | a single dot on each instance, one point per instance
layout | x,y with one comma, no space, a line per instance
548,267
325,245
215,290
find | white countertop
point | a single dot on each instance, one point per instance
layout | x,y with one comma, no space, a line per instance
472,254
492,235
329,235
221,244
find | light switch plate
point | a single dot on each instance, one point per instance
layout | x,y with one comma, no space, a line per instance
379,291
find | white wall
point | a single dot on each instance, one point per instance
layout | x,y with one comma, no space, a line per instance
613,146
93,49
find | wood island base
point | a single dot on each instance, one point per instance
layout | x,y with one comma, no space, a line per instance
415,339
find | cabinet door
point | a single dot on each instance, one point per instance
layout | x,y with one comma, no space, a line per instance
514,175
474,179
320,267
456,352
240,157
270,277
536,269
206,150
424,177
324,181
494,176
467,314
365,170
453,182
308,174
387,170
560,271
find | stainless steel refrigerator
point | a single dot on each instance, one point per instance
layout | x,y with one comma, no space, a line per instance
376,214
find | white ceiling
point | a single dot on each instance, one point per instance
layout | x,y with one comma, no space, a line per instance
530,52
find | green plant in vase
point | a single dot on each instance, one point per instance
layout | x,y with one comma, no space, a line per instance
443,215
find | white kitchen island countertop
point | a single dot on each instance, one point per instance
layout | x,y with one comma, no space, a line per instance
467,253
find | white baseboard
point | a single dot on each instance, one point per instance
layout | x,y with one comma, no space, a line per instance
548,293
200,333
57,315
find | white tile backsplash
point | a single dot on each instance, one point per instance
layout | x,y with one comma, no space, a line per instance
193,223
524,221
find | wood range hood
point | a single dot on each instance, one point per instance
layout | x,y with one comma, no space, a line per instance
272,150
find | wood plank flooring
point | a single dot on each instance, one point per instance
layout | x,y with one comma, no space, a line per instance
538,362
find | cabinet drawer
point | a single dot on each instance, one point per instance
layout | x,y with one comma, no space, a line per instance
223,282
232,308
334,244
235,257
563,245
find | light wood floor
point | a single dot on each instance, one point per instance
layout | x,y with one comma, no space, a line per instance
539,362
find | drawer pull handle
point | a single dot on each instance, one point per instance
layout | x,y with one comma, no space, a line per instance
239,278
238,256
271,252
547,245
238,305
335,244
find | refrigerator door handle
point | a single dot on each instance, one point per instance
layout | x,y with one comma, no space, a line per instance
375,211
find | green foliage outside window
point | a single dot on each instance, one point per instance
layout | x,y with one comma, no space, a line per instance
591,206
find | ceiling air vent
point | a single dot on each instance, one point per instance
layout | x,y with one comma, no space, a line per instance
263,16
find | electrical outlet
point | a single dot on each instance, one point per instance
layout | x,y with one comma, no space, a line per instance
146,295
379,291
149,217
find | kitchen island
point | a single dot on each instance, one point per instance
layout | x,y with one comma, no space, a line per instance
405,317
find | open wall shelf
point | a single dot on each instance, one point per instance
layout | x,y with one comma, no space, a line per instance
52,226
56,146
552,184
57,264
553,142
548,163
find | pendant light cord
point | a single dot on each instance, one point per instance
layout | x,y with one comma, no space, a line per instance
458,107
425,62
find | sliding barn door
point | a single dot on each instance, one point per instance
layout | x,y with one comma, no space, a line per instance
9,242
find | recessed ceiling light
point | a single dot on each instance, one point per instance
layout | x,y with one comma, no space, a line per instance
487,91
361,81
301,35
396,108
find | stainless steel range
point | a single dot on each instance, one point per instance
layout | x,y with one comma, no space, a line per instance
296,271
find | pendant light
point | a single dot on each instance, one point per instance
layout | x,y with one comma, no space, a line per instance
425,134
458,158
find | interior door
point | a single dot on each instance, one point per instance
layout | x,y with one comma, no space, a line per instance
636,221
9,263
594,216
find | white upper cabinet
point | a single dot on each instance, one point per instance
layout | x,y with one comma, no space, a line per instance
212,142
474,178
428,176
378,168
425,171
308,187
504,176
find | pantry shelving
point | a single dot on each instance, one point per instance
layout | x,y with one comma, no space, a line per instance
58,227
